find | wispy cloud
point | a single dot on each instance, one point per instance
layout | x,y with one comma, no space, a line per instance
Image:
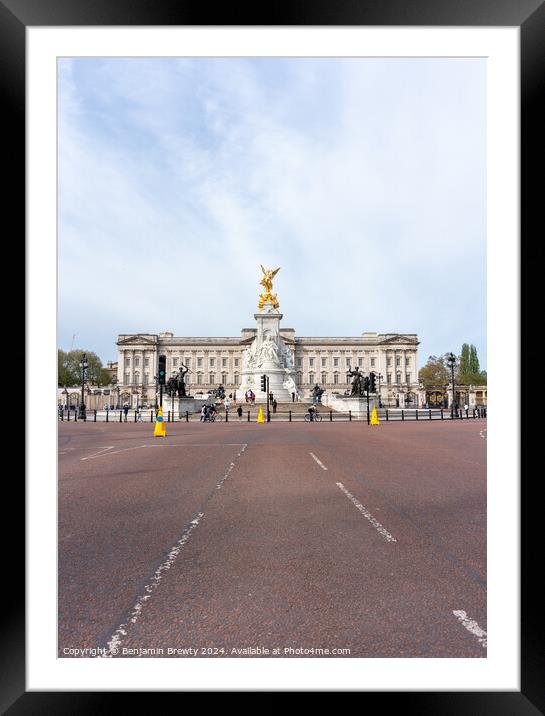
363,179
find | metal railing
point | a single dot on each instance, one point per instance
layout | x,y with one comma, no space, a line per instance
292,416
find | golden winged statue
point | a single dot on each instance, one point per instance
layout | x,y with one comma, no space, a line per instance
266,282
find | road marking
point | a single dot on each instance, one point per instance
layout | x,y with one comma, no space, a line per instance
112,646
321,464
483,434
376,524
102,451
471,626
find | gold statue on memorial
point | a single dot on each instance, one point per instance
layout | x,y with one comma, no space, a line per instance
266,282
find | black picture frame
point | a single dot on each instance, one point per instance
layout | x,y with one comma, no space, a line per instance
529,15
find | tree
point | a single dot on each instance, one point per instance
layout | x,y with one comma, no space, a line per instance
469,372
435,372
69,370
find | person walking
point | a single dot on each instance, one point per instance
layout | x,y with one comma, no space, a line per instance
227,404
274,404
239,412
466,408
293,397
203,413
126,410
246,396
139,414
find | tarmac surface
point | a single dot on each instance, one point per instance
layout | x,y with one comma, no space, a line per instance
276,540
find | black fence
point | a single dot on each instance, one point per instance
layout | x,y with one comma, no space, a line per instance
323,415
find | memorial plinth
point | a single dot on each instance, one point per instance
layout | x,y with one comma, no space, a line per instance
268,355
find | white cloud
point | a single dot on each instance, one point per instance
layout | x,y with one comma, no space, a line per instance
363,179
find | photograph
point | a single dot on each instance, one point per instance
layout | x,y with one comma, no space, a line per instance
272,357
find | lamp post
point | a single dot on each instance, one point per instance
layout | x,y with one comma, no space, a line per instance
83,365
451,360
115,386
65,393
380,377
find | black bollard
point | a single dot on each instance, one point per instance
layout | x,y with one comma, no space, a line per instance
226,416
417,413
442,416
120,416
248,416
349,416
95,416
386,414
430,413
330,416
187,416
107,412
402,414
289,419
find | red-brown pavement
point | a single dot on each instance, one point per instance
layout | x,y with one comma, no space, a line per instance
279,556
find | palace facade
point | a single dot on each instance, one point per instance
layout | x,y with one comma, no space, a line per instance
322,360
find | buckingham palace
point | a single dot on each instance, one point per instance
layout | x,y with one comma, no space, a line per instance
214,361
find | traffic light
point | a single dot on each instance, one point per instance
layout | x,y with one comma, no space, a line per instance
372,384
365,383
162,373
264,383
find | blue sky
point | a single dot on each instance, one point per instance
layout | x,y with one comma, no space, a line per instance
364,179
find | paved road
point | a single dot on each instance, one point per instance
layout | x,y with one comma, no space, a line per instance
307,539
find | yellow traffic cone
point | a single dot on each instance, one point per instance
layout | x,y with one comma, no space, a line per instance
160,429
374,417
260,418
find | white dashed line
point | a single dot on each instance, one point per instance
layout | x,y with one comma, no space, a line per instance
321,464
102,451
112,646
376,524
471,626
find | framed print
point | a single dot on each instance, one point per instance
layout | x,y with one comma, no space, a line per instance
356,169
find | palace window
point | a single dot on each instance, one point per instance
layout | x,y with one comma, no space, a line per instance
127,361
336,362
389,362
212,361
224,362
199,362
299,378
324,378
236,379
299,362
175,362
407,361
212,378
136,378
236,362
146,378
399,377
324,362
127,378
137,361
360,362
389,378
372,362
408,377
187,361
224,378
311,377
398,361
311,362
336,378
199,378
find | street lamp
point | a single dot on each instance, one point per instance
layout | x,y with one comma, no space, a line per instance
380,377
451,360
115,386
83,365
65,393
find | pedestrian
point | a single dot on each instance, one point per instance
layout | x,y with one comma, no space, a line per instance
271,396
466,408
139,413
235,397
226,404
293,397
246,396
203,413
239,412
126,410
274,404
